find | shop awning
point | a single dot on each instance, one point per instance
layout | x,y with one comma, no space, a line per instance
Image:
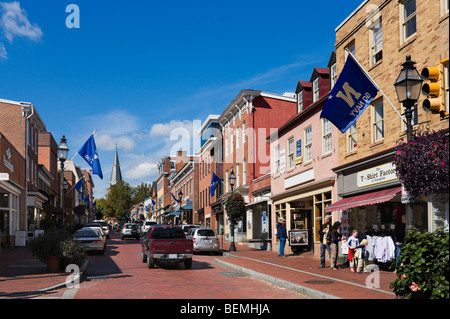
364,199
188,206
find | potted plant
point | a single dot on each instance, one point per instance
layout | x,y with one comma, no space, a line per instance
47,249
72,253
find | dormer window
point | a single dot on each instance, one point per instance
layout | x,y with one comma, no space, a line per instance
316,90
300,101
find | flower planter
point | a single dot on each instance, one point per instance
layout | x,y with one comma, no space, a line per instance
53,264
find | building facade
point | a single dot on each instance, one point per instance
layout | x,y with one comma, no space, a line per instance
246,122
369,192
303,152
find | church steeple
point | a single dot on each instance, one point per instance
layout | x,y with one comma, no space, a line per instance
116,174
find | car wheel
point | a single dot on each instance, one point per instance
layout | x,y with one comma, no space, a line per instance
188,263
121,238
143,256
150,262
138,237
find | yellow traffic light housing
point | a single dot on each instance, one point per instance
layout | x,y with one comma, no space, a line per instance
434,89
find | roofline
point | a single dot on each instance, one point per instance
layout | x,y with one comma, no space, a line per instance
351,15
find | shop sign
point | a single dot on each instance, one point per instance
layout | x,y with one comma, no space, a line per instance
406,198
298,156
7,160
375,175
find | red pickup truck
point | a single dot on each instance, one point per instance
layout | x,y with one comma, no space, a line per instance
166,244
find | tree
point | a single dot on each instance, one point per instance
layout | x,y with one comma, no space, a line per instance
119,200
141,192
235,208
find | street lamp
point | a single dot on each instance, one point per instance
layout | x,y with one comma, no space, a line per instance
232,180
180,197
63,151
408,87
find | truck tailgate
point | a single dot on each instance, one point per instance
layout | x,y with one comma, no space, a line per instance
172,246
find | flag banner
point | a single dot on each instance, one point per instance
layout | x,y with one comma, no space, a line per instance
177,200
350,96
215,181
153,203
89,152
79,185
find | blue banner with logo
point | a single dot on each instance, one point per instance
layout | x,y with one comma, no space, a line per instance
350,96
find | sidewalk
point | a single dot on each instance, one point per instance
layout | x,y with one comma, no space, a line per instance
22,275
301,273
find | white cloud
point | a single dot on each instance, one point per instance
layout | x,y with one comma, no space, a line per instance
3,53
108,142
141,171
166,129
14,22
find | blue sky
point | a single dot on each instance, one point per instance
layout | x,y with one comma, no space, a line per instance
136,70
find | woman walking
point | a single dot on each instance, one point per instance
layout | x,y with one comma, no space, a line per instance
335,238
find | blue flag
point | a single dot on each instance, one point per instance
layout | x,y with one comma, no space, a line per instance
79,185
153,203
177,200
350,96
86,200
89,152
215,181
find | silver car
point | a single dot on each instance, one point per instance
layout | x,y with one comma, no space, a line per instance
204,239
91,239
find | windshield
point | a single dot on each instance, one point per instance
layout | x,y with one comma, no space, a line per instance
83,233
205,232
130,226
167,233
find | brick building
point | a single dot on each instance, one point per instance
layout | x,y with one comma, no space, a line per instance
20,123
246,122
12,192
380,40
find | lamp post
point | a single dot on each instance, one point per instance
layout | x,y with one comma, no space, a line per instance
408,86
180,197
232,180
63,151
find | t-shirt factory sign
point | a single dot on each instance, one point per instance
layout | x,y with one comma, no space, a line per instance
7,161
377,174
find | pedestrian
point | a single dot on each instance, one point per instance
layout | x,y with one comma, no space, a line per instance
352,242
325,240
335,238
281,235
360,256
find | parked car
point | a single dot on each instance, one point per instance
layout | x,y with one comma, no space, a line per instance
146,225
166,244
104,226
129,230
91,239
187,227
204,239
95,226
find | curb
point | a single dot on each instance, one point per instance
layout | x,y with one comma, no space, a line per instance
315,294
83,270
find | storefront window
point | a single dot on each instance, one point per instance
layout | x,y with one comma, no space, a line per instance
439,213
4,199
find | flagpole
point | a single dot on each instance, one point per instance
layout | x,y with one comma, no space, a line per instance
77,152
373,82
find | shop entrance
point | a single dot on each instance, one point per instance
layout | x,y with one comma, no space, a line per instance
300,234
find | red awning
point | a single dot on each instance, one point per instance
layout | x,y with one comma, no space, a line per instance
364,199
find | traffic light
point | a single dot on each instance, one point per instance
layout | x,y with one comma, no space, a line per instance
434,89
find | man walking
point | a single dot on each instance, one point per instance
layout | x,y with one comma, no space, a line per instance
282,235
325,240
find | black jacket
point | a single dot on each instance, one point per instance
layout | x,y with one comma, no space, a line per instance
321,231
